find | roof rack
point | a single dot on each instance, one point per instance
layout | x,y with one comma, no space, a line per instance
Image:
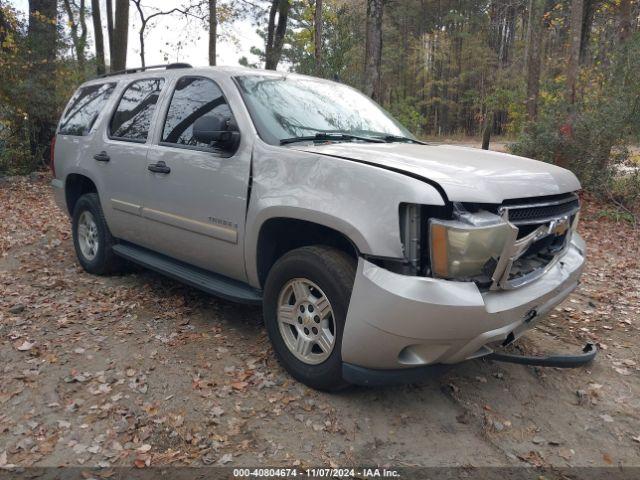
168,66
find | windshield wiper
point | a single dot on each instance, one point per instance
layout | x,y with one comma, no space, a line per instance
400,138
330,136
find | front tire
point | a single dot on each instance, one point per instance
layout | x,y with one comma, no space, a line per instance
92,239
306,297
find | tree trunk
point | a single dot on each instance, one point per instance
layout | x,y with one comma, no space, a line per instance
625,15
82,18
120,33
533,60
276,32
317,36
73,25
587,20
486,131
143,26
502,24
41,39
4,29
141,37
97,34
78,37
43,16
110,32
373,50
281,30
271,31
575,40
213,31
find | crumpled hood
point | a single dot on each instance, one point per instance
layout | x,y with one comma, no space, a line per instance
465,174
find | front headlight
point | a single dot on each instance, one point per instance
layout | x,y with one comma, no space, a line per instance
459,250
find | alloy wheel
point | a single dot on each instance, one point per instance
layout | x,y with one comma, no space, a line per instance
306,321
88,239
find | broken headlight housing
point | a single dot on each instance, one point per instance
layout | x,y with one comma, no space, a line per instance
468,247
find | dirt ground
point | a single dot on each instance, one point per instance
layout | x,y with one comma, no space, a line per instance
139,370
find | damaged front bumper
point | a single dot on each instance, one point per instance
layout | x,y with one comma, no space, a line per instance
405,326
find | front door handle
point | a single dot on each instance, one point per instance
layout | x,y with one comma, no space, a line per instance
159,167
102,157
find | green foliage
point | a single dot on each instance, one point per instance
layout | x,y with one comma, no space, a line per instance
342,49
625,189
33,91
592,136
406,111
446,65
617,215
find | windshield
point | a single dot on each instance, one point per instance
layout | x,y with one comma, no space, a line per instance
284,107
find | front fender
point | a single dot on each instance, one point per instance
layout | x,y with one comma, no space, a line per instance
360,201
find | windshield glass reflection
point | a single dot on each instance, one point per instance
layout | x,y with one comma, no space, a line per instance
285,107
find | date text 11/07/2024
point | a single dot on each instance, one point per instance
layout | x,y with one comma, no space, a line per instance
316,472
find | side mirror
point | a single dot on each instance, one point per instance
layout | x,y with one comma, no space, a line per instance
212,129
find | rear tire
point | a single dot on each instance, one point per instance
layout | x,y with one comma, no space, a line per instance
92,239
306,297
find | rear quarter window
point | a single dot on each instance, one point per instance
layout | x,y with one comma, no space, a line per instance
84,109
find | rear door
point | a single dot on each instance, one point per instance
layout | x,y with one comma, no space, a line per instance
198,205
121,156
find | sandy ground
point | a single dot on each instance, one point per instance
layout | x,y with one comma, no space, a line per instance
139,370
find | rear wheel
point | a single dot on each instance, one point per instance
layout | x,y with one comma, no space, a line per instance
306,298
91,237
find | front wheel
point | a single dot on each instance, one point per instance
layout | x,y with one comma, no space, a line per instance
306,298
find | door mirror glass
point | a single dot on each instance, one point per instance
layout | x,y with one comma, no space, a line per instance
209,129
215,129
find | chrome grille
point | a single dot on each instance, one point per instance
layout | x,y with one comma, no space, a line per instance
541,212
544,228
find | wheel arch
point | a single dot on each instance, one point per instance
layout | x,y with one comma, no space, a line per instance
76,185
280,234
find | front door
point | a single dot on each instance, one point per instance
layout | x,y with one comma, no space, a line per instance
196,193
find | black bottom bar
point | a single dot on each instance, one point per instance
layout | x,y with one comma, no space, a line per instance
559,361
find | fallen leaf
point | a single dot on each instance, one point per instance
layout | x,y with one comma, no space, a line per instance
533,457
25,346
566,453
239,385
217,411
622,370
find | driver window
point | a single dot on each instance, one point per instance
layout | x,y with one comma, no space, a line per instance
193,97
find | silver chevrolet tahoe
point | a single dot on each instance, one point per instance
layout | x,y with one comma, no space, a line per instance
376,257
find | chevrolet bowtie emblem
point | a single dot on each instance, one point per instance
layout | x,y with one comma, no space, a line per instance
559,227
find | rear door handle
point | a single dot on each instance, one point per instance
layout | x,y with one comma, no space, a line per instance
159,167
102,157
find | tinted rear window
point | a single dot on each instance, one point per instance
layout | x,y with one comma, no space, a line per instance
84,108
132,118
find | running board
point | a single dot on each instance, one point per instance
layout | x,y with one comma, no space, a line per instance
199,278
